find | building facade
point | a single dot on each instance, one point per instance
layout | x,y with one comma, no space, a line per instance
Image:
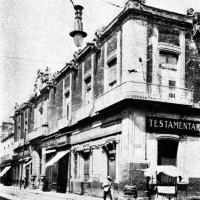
120,107
6,152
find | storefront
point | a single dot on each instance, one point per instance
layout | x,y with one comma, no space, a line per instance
56,166
91,163
173,145
22,159
6,173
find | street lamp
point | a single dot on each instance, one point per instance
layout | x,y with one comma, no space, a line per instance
23,154
78,34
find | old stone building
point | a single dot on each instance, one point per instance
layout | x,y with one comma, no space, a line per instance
120,107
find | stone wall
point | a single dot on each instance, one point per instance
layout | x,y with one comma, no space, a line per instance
77,89
99,73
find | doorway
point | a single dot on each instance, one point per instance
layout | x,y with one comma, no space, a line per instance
112,168
167,152
62,174
167,155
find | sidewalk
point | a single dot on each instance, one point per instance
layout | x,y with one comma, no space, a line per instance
14,193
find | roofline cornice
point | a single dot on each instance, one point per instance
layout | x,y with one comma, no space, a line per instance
151,13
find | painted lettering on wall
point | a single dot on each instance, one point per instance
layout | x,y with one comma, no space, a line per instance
168,125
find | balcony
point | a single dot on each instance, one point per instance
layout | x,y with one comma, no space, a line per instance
144,91
162,46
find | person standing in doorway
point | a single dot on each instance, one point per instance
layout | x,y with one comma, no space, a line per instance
107,188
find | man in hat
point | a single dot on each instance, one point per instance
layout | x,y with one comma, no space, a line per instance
107,188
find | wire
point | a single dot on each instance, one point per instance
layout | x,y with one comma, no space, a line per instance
72,3
112,4
31,60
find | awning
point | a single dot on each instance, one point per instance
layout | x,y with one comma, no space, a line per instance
169,170
5,170
50,151
28,163
27,158
58,156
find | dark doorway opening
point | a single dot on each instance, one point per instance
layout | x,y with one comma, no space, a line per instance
112,168
51,173
62,174
167,152
167,155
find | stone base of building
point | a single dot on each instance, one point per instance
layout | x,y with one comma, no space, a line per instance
131,174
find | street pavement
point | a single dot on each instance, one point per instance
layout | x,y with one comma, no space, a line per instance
14,193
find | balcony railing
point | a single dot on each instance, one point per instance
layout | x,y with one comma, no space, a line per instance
144,91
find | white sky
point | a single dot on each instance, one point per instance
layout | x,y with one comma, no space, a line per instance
34,34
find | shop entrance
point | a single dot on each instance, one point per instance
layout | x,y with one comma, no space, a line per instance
167,157
51,173
62,174
167,152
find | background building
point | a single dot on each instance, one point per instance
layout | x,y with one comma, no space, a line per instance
6,152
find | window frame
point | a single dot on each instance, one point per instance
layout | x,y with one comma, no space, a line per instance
67,101
86,176
87,89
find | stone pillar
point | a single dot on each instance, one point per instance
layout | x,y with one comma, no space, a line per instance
119,67
117,161
36,168
43,161
81,167
155,56
125,148
105,68
181,61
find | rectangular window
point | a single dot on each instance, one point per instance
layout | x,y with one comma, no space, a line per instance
86,167
26,120
75,165
169,35
88,91
18,127
172,85
67,105
87,64
168,58
112,73
66,82
67,97
112,44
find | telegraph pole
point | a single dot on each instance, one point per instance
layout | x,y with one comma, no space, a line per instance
23,154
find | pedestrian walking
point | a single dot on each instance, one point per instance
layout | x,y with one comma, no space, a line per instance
107,188
25,182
